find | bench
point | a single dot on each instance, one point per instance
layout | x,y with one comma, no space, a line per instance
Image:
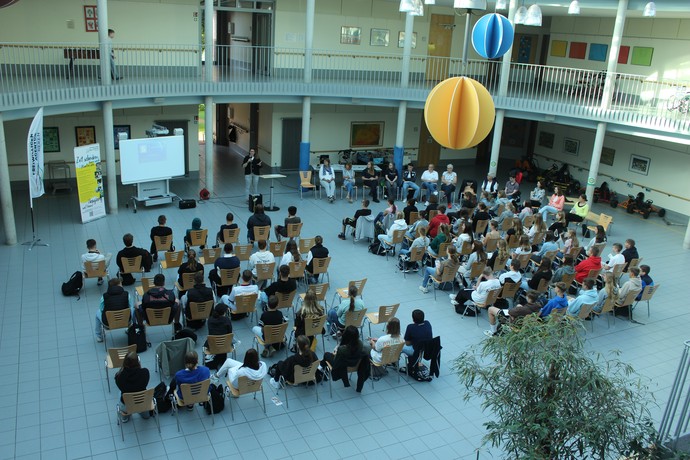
79,53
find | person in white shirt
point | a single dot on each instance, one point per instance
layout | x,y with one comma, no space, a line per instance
449,180
245,287
262,256
327,178
490,185
430,181
398,224
514,274
94,255
485,283
392,337
251,368
615,258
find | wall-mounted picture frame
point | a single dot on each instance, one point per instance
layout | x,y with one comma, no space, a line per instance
401,39
366,134
639,164
91,18
571,146
380,37
86,135
350,35
117,129
51,139
607,156
546,139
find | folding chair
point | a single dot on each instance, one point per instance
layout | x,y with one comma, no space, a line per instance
209,256
302,375
198,311
390,354
647,294
136,403
192,394
272,335
117,319
320,267
385,313
96,270
173,259
245,385
306,183
220,344
343,293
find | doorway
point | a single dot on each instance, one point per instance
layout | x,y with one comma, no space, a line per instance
429,149
292,136
440,41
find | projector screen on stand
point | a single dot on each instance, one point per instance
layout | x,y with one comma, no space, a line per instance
150,159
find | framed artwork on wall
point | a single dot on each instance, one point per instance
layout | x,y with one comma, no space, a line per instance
91,18
401,39
598,51
642,55
117,129
571,146
350,35
607,156
558,48
366,134
546,139
577,50
639,164
85,135
51,140
379,37
623,54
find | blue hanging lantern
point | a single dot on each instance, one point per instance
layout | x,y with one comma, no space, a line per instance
492,36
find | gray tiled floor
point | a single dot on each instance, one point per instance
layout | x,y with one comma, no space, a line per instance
54,396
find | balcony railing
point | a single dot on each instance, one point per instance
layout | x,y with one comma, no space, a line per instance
56,73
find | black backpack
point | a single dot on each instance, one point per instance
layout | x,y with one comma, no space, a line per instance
162,397
217,399
184,333
136,335
73,285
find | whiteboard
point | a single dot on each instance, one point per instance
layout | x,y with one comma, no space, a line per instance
152,158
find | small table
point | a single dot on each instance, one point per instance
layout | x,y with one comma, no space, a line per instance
271,206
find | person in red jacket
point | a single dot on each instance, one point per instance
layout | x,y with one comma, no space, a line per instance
592,262
436,222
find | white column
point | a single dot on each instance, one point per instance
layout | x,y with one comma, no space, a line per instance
596,158
109,147
613,54
309,41
103,40
407,51
208,46
208,146
496,141
6,191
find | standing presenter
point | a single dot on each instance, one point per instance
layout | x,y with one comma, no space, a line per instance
251,164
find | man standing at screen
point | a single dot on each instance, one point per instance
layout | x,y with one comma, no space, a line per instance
251,164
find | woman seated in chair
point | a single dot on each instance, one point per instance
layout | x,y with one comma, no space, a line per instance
610,291
291,253
348,354
337,315
191,266
192,373
476,256
422,241
442,236
310,309
251,368
451,263
303,357
386,239
196,225
392,337
131,378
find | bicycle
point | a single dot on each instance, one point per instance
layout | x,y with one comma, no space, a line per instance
680,101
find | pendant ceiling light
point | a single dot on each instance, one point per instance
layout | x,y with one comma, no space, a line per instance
470,4
407,6
574,7
649,10
520,15
501,4
429,2
533,16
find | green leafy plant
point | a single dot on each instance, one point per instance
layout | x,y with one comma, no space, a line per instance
552,399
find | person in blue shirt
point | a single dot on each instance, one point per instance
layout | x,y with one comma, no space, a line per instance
192,373
559,301
587,296
645,279
550,244
416,333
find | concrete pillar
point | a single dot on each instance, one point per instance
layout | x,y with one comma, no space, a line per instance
609,82
6,191
208,146
309,40
399,147
496,143
110,166
208,46
305,145
407,50
596,158
103,41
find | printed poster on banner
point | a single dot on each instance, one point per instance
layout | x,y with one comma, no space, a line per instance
87,162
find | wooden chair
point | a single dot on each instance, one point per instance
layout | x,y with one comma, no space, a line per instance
605,310
628,301
528,221
414,217
115,358
550,254
476,270
262,233
243,251
231,235
500,262
245,304
305,245
159,317
294,230
277,248
264,272
465,248
342,293
568,279
491,298
198,310
245,386
209,256
96,270
480,229
163,243
314,326
600,247
287,300
197,238
508,292
173,259
442,251
273,335
538,238
320,267
543,286
131,265
398,237
602,219
136,403
306,182
320,290
385,313
146,284
594,274
634,263
220,344
390,354
513,242
490,244
500,209
302,375
356,319
117,319
329,373
524,260
586,312
192,394
416,256
433,213
507,224
448,276
187,282
647,294
228,276
297,271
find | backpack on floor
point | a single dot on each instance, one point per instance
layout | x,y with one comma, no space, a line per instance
162,397
73,285
184,333
376,249
469,310
217,399
136,335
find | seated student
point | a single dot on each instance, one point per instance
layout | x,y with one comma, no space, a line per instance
579,211
291,254
430,181
549,244
588,295
485,283
245,287
512,276
258,219
493,233
512,189
349,181
645,279
536,196
227,261
469,200
218,324
391,181
523,248
432,204
284,285
599,237
566,268
262,256
391,209
500,252
508,213
286,368
615,258
318,251
557,302
538,226
251,368
196,225
559,226
422,241
443,236
532,305
449,180
441,266
281,230
347,354
370,178
416,333
156,298
422,222
556,203
592,262
409,178
392,337
476,256
482,213
630,252
199,293
609,291
271,317
399,223
131,378
634,284
437,221
92,254
310,309
327,179
526,211
160,230
488,200
191,266
571,244
410,208
352,222
463,229
228,225
131,251
192,373
114,299
336,315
